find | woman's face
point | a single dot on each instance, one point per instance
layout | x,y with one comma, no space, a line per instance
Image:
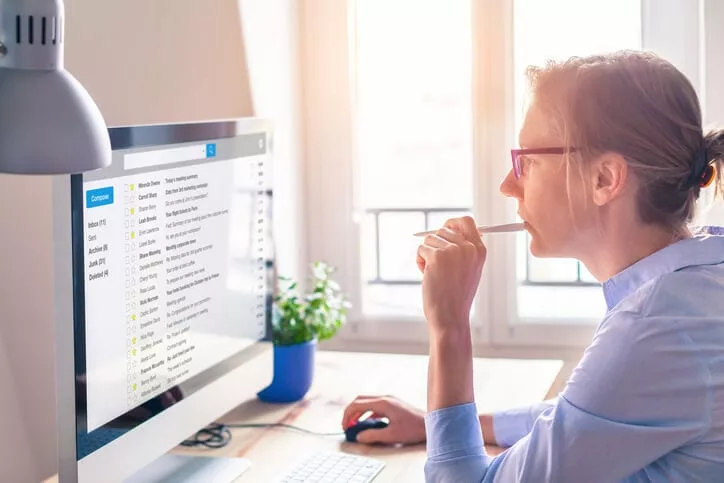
552,202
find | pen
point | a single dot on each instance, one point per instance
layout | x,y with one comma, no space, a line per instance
510,227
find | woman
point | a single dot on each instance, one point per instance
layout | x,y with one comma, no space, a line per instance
613,159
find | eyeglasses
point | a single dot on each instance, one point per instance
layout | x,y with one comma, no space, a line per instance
515,154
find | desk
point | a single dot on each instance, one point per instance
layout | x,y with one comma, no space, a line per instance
340,376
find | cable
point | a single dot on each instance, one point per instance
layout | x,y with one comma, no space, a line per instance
213,436
217,435
282,425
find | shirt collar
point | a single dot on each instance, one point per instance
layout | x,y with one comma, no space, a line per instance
706,247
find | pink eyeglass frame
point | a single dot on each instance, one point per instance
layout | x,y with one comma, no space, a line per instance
515,155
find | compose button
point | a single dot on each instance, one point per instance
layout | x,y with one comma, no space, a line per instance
99,197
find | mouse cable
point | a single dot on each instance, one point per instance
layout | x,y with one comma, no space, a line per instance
217,435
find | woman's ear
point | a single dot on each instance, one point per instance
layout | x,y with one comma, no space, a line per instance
610,173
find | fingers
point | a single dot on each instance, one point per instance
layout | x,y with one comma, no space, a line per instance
473,245
430,243
467,228
384,436
420,262
443,238
451,236
435,241
358,407
425,254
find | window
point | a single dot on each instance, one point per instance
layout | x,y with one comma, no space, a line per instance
413,118
411,109
556,289
414,136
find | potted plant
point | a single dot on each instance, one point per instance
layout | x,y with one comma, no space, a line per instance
299,322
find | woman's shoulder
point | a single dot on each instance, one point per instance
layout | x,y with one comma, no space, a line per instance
695,292
683,309
691,292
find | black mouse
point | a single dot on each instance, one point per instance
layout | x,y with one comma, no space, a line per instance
351,433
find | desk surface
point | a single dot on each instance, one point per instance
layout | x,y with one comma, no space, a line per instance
340,376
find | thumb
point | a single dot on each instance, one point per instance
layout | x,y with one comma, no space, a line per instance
383,435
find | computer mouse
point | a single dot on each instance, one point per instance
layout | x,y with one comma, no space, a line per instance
351,433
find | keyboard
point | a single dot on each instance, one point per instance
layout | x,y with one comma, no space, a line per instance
333,467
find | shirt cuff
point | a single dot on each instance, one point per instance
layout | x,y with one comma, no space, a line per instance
453,432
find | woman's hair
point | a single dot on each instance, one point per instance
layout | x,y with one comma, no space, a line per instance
641,107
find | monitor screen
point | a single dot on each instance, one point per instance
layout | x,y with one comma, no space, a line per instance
171,261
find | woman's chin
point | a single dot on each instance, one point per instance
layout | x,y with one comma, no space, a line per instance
535,249
541,250
538,249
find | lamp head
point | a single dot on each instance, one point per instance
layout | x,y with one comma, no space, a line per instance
49,124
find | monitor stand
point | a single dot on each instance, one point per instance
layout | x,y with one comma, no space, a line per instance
172,468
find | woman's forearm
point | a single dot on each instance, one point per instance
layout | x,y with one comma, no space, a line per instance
450,377
450,370
486,426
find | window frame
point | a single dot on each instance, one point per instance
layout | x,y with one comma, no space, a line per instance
334,228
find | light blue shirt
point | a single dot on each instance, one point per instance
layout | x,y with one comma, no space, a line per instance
645,403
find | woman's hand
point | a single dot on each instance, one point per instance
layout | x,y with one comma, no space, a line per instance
451,262
407,423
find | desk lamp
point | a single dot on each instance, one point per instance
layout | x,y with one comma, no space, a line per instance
49,124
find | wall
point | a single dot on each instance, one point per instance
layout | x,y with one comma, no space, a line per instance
144,62
27,404
16,464
271,30
713,38
159,61
693,43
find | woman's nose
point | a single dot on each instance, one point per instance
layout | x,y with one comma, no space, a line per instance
511,187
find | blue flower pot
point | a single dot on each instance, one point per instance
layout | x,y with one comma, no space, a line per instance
293,373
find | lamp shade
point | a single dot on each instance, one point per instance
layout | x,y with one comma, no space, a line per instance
49,124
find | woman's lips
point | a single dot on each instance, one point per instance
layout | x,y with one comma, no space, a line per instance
526,225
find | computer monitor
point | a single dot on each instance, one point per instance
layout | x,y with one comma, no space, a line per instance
171,294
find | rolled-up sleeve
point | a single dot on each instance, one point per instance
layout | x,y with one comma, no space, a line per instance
511,425
455,450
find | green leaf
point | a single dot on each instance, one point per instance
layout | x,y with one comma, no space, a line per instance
318,314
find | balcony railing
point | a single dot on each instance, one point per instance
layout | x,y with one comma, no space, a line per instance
378,279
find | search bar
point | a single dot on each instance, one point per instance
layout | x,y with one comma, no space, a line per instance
159,157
